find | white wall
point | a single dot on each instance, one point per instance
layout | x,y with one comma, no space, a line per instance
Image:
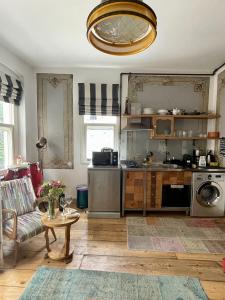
78,175
222,119
27,111
27,134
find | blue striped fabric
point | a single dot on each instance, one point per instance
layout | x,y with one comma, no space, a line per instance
28,225
18,195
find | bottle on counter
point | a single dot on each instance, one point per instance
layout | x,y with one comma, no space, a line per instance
208,158
60,197
196,156
127,107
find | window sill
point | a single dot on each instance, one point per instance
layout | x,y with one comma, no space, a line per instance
86,162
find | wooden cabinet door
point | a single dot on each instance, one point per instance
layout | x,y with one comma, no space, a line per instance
154,189
134,190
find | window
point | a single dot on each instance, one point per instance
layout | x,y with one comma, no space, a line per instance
6,134
100,132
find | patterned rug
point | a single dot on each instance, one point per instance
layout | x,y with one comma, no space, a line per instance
60,284
168,234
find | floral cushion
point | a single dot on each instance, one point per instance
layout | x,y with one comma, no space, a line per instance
18,195
28,225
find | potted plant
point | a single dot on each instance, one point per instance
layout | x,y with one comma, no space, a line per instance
51,191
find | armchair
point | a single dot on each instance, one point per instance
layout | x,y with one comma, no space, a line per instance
21,217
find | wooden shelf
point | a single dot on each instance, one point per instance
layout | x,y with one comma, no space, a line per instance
202,117
182,138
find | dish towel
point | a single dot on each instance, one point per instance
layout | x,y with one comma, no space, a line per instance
222,146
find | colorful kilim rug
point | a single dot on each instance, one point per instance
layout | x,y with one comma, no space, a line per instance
169,234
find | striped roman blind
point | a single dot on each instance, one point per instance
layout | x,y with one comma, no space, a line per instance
11,89
99,99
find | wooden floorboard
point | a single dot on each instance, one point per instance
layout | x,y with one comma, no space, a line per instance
101,244
205,270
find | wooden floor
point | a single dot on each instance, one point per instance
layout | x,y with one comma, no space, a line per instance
101,244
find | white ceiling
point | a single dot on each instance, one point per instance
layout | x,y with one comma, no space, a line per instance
52,33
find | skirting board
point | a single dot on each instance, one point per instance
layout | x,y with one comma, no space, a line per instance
104,215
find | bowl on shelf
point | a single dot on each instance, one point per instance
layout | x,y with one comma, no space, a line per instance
162,111
148,111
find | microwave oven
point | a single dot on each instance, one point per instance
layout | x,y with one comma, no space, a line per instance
105,158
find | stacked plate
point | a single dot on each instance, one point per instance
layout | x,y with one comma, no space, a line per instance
148,111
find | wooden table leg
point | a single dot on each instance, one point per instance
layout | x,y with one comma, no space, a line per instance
47,241
68,255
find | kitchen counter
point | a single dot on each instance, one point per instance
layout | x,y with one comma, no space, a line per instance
167,168
92,167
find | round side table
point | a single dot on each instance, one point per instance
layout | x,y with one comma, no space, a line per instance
59,221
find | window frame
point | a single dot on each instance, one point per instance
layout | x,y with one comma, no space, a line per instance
12,130
115,126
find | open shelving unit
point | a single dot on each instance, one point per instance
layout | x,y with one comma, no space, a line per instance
151,123
201,116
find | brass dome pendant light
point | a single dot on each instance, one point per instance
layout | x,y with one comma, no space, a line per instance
121,27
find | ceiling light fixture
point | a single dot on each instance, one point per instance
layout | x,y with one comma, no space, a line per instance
121,27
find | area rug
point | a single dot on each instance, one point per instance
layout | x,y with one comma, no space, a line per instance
60,284
169,234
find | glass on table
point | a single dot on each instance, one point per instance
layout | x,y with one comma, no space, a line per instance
69,201
63,204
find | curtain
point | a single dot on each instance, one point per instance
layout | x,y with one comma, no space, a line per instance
11,90
99,99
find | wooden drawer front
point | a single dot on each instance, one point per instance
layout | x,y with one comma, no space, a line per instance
177,177
134,190
154,189
187,178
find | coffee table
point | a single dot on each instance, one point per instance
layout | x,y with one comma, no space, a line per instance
58,222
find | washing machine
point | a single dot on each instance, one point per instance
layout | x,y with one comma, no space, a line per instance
208,194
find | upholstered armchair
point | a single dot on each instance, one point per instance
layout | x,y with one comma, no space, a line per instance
21,217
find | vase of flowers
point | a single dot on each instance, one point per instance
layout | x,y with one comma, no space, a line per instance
51,191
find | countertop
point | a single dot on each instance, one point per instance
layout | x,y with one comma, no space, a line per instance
92,167
164,168
173,169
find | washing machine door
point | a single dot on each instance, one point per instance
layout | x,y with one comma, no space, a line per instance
209,194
